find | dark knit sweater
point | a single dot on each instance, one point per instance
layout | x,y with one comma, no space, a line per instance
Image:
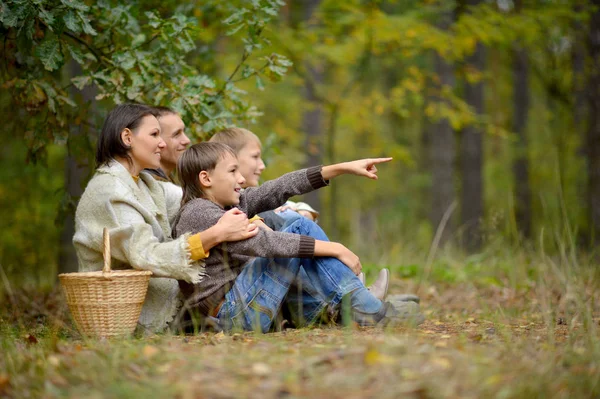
227,260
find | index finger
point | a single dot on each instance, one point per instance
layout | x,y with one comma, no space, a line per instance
380,160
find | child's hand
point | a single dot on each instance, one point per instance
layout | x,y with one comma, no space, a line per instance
235,226
365,167
348,258
262,225
361,167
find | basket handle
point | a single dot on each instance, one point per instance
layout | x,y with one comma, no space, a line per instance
106,248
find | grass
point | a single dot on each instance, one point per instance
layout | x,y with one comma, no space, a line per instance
500,324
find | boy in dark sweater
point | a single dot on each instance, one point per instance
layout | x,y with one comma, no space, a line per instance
247,281
248,149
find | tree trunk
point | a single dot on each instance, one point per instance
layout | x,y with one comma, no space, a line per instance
76,171
312,118
312,126
442,155
593,130
471,156
443,148
521,159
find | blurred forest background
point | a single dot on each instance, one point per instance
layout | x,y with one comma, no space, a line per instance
491,110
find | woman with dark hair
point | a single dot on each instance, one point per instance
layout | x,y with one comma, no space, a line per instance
138,211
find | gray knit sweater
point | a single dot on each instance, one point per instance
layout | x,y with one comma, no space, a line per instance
227,260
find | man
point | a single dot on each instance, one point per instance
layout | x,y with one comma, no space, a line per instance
173,133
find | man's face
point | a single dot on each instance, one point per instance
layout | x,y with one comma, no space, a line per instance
172,132
251,164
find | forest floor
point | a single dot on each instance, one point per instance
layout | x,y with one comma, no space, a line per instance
480,339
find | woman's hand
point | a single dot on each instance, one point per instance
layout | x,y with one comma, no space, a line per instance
234,226
361,167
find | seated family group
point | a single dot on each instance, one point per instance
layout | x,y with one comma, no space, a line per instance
215,245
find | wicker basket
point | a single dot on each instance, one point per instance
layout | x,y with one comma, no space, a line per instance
106,303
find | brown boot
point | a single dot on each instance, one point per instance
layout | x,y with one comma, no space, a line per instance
380,286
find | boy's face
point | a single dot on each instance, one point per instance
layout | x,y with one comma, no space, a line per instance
251,164
226,182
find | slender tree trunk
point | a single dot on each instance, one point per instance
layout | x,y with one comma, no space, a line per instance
578,65
312,118
593,130
76,171
443,148
442,156
312,126
471,156
521,159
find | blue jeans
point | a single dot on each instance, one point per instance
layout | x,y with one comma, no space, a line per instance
307,285
290,217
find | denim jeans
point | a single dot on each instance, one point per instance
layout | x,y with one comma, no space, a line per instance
307,285
290,217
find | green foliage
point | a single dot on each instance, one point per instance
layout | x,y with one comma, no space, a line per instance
126,53
369,66
65,63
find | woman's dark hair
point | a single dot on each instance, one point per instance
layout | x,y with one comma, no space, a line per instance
199,157
110,144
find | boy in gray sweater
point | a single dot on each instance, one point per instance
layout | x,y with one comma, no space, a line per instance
247,281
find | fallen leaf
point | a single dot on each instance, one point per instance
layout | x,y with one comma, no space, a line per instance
219,336
4,383
373,357
59,381
31,339
162,369
54,360
261,369
149,351
493,380
476,337
442,362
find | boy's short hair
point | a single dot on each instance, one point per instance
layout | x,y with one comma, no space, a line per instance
234,137
199,157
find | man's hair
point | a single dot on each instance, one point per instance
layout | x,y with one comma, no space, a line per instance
234,137
199,157
161,110
123,116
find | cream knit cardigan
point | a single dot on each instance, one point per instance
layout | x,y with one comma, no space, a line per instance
138,215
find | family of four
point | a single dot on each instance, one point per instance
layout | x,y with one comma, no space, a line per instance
207,257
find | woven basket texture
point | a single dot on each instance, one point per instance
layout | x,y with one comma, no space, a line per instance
106,306
106,303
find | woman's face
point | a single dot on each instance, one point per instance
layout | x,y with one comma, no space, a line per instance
146,144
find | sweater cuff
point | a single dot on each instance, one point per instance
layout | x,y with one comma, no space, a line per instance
196,248
307,247
315,177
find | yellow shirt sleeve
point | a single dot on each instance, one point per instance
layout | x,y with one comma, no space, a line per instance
255,218
196,248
